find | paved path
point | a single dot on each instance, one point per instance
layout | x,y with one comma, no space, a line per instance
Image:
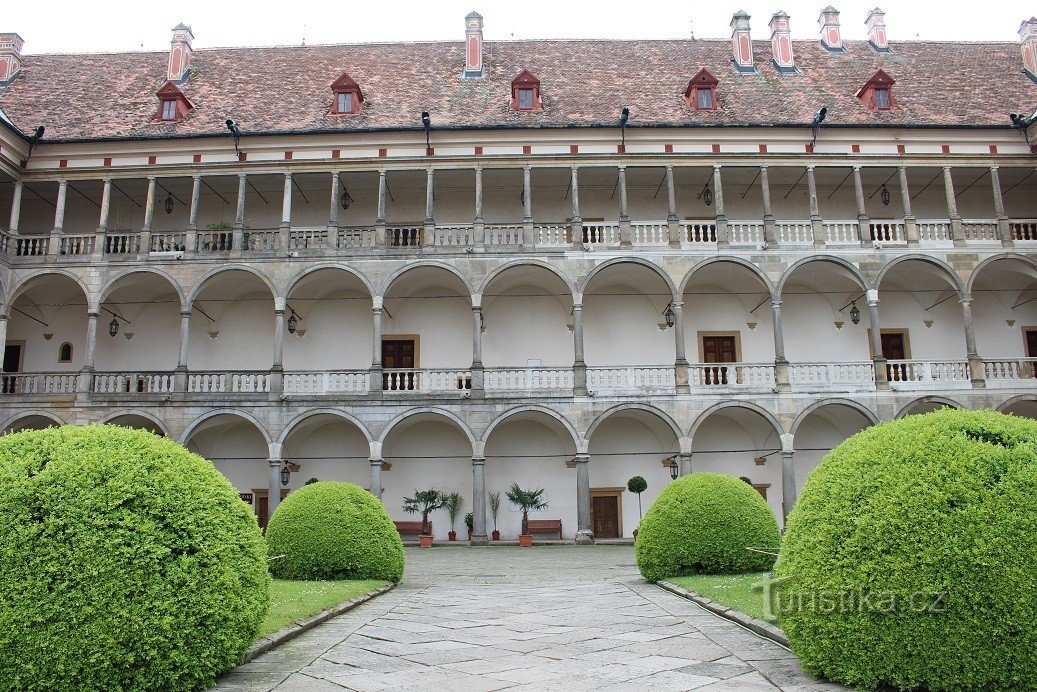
557,618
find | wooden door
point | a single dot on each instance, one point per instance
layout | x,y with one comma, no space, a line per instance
1031,344
894,348
12,363
261,506
398,353
605,516
718,349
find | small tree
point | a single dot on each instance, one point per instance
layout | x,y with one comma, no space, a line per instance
637,485
495,507
453,503
424,503
746,479
528,501
469,521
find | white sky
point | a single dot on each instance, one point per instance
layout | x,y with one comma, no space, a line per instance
65,26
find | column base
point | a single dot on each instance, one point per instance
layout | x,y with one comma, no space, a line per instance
584,538
479,539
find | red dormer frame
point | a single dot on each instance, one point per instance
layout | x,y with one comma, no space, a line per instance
348,99
879,82
525,93
171,102
702,82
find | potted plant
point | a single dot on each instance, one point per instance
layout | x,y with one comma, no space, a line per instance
494,512
469,521
637,485
453,503
528,501
424,502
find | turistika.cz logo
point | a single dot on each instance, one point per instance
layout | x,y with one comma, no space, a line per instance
780,597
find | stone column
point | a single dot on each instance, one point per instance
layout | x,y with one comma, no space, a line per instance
672,221
59,219
86,379
723,237
376,476
579,365
430,221
1004,233
624,215
3,329
191,238
273,480
479,224
180,379
286,211
781,364
16,208
479,501
102,222
788,482
239,215
527,207
910,222
816,227
770,231
863,222
683,464
333,206
952,208
477,367
879,360
376,354
277,369
976,373
681,361
577,223
380,238
584,532
149,218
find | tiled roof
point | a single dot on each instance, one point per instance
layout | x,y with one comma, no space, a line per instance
584,83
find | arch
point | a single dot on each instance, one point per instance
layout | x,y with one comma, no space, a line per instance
429,410
830,259
110,285
944,268
294,281
387,285
200,284
108,418
220,412
936,399
755,270
35,413
849,403
562,420
25,282
524,263
1015,400
748,405
337,413
651,266
978,269
658,413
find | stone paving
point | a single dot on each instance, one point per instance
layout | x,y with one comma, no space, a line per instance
548,618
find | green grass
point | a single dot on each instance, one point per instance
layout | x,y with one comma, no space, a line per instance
293,600
733,590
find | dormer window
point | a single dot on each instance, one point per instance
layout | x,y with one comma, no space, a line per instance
172,104
701,94
169,109
348,97
525,92
877,92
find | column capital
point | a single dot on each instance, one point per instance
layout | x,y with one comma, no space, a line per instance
857,168
946,169
575,168
810,167
242,176
196,176
382,172
669,167
716,167
775,302
582,457
872,295
185,313
274,462
622,166
994,166
288,174
478,460
93,314
677,304
902,167
966,301
376,303
152,178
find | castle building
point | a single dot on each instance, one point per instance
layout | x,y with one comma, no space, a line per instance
561,263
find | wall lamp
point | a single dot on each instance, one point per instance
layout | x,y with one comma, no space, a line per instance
426,122
34,140
169,204
235,133
815,125
1020,121
624,116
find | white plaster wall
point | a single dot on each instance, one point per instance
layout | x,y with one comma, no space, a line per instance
334,451
808,322
156,338
443,323
238,451
990,315
338,330
524,323
620,329
730,313
67,323
246,334
944,340
726,445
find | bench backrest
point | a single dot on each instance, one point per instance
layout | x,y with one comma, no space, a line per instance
408,527
542,524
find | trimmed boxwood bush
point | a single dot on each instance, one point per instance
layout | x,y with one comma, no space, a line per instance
330,530
944,502
703,523
126,563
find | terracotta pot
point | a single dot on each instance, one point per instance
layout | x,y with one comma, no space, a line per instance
425,541
525,540
470,532
496,535
451,535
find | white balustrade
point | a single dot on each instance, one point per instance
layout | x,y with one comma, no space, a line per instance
551,234
46,383
134,382
737,375
260,240
5,242
934,231
907,374
632,377
453,235
403,236
856,375
600,234
168,242
745,233
228,382
318,382
210,242
121,243
980,230
1023,229
423,380
1010,371
502,234
77,245
355,236
309,239
31,246
700,231
888,232
650,233
794,233
527,379
842,232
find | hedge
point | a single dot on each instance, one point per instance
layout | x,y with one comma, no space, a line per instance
703,523
929,523
329,530
126,562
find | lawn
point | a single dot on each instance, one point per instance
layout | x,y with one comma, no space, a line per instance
293,600
733,590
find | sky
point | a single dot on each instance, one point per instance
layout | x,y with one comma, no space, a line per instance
76,27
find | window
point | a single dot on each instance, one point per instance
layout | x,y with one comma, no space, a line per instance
525,92
349,99
172,104
701,92
345,103
525,99
877,92
65,353
882,99
169,110
705,98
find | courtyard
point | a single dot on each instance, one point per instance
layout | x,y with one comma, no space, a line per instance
553,617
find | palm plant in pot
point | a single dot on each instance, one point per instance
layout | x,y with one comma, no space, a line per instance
453,502
495,512
424,502
469,521
528,501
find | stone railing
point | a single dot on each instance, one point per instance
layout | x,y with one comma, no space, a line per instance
842,232
746,233
527,379
697,232
888,232
554,235
1023,229
327,382
851,375
650,233
134,382
979,230
425,380
733,375
503,234
640,377
1009,372
39,383
934,231
794,233
600,234
228,382
927,373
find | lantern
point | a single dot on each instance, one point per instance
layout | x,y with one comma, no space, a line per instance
286,474
855,314
884,195
671,318
346,199
673,469
169,204
113,327
293,323
707,196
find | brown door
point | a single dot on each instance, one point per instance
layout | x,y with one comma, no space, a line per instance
893,349
1031,344
605,514
718,349
398,353
12,363
261,506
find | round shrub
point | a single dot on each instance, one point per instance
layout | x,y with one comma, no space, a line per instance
329,530
126,563
923,533
702,524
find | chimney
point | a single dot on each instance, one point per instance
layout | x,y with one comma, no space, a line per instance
10,56
180,54
741,43
1028,39
781,43
876,24
831,35
473,67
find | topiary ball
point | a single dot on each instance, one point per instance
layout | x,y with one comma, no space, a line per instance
329,530
702,524
923,531
126,563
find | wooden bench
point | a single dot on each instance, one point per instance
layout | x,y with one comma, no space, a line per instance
410,528
545,526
